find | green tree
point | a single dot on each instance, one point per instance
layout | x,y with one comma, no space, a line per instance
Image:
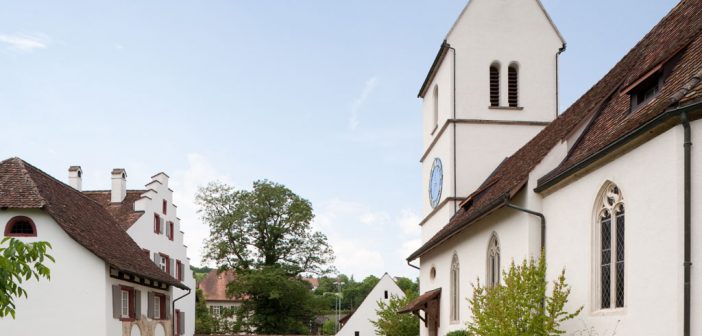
20,262
277,304
521,306
265,227
329,327
408,286
390,323
204,322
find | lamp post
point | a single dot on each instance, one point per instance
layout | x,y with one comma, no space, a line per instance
338,302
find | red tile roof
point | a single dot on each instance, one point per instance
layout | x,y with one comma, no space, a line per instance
24,186
214,285
608,109
122,212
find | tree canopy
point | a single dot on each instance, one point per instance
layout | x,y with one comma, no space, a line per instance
390,323
265,227
19,262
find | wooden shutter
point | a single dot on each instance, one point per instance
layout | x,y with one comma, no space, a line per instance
168,307
137,304
181,323
157,259
171,269
116,302
150,305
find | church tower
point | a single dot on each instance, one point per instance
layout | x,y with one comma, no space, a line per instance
492,87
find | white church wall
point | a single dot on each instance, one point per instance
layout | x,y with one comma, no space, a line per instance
650,180
72,301
444,80
696,184
471,248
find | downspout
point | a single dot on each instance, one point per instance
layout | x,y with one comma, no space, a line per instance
455,173
560,51
687,145
543,223
173,322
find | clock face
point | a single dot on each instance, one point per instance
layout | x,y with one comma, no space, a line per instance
436,180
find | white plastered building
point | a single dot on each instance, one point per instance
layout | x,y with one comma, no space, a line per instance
105,280
507,177
359,322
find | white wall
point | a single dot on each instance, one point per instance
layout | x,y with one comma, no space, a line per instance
72,302
143,233
650,179
366,312
471,248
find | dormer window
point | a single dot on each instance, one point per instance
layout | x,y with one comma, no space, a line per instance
650,84
20,226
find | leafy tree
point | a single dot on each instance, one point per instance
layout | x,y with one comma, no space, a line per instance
277,304
408,286
265,227
457,333
204,322
329,327
390,323
19,262
521,306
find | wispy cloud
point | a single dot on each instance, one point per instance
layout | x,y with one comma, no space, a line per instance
24,42
370,85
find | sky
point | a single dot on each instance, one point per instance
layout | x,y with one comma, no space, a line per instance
317,95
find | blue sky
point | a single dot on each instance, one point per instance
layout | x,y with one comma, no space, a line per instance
317,95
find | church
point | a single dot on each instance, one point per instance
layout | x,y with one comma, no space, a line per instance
606,189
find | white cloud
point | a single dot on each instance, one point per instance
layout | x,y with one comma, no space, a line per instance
24,42
370,85
186,184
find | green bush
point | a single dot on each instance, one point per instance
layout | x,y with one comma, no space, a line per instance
457,333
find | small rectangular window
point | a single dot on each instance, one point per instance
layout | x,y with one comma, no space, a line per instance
157,224
386,294
357,333
165,207
125,303
157,306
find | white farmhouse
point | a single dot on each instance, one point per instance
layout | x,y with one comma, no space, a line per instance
121,267
359,322
507,177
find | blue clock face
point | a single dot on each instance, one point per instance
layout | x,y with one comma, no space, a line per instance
436,180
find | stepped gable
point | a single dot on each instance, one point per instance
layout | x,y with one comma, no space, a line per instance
24,186
606,108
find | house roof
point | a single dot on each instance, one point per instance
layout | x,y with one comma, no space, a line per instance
606,108
23,186
214,285
122,212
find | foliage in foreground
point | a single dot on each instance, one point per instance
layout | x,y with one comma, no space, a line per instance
520,306
20,262
391,323
204,322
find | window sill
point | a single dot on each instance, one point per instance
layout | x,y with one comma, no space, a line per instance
609,312
127,319
507,108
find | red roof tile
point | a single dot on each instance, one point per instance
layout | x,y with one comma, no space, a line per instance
607,107
25,186
122,212
214,285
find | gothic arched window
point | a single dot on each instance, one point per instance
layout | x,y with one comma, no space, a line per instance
455,289
493,262
609,232
495,84
513,85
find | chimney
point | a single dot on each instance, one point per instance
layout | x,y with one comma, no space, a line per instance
119,185
75,177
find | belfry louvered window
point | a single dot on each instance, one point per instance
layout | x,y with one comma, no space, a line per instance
495,85
610,229
513,86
